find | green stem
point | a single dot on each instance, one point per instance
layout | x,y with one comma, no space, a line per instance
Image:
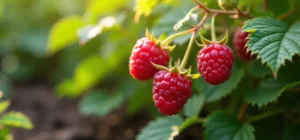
188,51
191,121
213,32
171,37
265,115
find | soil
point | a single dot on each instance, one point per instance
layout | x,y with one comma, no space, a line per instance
58,118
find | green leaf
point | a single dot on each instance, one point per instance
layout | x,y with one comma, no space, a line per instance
4,105
223,126
194,105
64,33
164,128
267,91
98,8
292,133
5,134
273,41
258,70
213,93
142,96
99,103
16,119
87,73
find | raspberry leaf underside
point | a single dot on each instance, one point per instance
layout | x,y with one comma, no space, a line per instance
273,41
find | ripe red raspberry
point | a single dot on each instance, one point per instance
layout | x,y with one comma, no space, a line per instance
239,42
170,91
143,53
215,63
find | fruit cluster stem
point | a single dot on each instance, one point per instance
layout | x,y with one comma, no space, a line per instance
189,48
213,32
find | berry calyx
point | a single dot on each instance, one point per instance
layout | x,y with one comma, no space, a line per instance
239,41
146,51
215,62
171,91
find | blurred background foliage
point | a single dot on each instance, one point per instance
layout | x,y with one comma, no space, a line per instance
82,48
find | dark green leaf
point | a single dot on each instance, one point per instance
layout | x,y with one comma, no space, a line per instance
267,91
223,126
164,128
292,133
214,93
194,105
99,103
273,41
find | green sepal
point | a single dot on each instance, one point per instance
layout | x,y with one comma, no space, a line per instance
224,40
200,45
160,67
205,41
169,48
188,73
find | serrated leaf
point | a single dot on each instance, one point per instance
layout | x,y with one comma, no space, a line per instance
99,103
194,105
16,119
161,129
292,133
223,126
213,93
267,91
4,105
64,33
273,41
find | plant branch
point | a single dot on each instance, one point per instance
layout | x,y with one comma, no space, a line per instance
287,14
238,12
265,4
242,111
189,48
171,37
265,115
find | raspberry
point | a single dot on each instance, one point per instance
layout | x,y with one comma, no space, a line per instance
239,42
215,63
170,91
143,53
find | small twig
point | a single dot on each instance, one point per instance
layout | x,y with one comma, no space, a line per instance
238,12
287,14
242,112
265,4
265,115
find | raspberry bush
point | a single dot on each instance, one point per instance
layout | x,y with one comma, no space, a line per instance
230,67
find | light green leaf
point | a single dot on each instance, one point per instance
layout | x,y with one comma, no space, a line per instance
5,134
87,73
273,41
64,33
16,119
267,91
223,126
4,105
213,93
98,8
292,133
194,105
188,122
99,103
164,128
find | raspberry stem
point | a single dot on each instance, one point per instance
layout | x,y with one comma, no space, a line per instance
187,52
213,32
171,37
